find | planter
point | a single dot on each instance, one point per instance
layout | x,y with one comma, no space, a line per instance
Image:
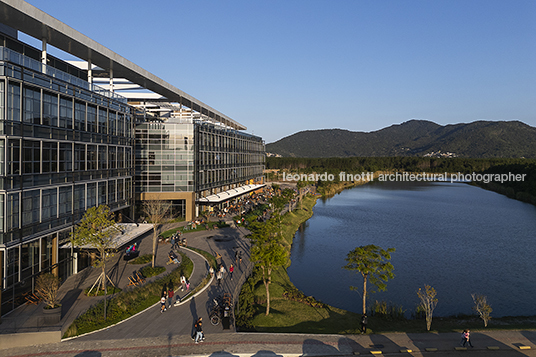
52,316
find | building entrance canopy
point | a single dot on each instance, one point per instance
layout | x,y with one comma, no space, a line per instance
232,193
131,231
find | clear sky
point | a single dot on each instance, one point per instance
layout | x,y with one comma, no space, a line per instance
282,66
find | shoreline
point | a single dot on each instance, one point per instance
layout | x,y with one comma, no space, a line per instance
306,323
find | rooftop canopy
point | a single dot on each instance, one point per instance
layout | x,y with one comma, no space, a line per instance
26,18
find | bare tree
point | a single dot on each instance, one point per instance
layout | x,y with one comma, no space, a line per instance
47,287
428,302
156,211
482,307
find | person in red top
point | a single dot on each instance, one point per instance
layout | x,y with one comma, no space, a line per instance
231,269
170,296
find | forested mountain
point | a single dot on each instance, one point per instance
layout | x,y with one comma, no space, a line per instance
480,139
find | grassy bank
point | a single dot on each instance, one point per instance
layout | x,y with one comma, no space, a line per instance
287,316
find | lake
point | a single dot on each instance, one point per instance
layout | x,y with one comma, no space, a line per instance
458,238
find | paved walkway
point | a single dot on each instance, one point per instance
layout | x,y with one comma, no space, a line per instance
259,344
152,333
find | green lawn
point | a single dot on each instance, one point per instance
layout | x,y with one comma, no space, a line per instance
290,316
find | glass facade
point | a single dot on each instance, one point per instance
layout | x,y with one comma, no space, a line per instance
195,157
63,148
164,157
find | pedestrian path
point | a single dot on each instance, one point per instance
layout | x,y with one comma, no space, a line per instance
508,343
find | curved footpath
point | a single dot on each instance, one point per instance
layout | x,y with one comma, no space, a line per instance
151,333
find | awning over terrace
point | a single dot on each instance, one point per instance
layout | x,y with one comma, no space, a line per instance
131,231
232,193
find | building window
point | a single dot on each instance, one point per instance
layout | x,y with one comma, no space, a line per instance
66,193
2,98
103,158
49,199
32,105
91,119
79,197
79,116
30,207
13,209
13,157
112,156
66,157
50,157
66,113
102,193
13,101
112,123
50,109
91,157
103,118
31,155
111,192
91,194
79,157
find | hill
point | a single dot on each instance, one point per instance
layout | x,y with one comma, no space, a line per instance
479,139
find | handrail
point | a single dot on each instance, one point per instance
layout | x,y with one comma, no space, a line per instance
9,55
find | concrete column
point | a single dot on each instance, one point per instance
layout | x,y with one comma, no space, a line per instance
111,80
89,72
190,207
75,263
44,55
55,270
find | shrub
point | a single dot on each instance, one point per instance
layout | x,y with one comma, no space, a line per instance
149,271
47,286
142,259
296,295
387,310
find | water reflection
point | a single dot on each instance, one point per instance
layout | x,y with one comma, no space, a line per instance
458,238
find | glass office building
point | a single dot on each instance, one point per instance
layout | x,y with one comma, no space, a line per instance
65,146
185,160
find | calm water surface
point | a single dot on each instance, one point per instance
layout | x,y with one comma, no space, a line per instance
455,237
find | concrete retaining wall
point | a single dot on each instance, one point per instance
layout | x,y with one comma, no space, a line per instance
29,339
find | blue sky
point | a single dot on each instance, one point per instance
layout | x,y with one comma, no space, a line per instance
282,66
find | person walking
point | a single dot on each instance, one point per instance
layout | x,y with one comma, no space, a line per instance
466,338
163,302
211,270
199,330
170,294
219,276
183,282
364,322
231,270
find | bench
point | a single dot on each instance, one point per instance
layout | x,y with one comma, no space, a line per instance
32,299
136,279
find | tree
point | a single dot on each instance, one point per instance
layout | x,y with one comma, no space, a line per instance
267,251
156,211
428,302
372,262
46,287
97,230
482,307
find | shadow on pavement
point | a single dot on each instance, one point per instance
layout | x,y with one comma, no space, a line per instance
530,335
347,345
69,299
222,354
89,354
381,342
316,347
265,353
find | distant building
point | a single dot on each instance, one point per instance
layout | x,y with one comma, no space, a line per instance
72,137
